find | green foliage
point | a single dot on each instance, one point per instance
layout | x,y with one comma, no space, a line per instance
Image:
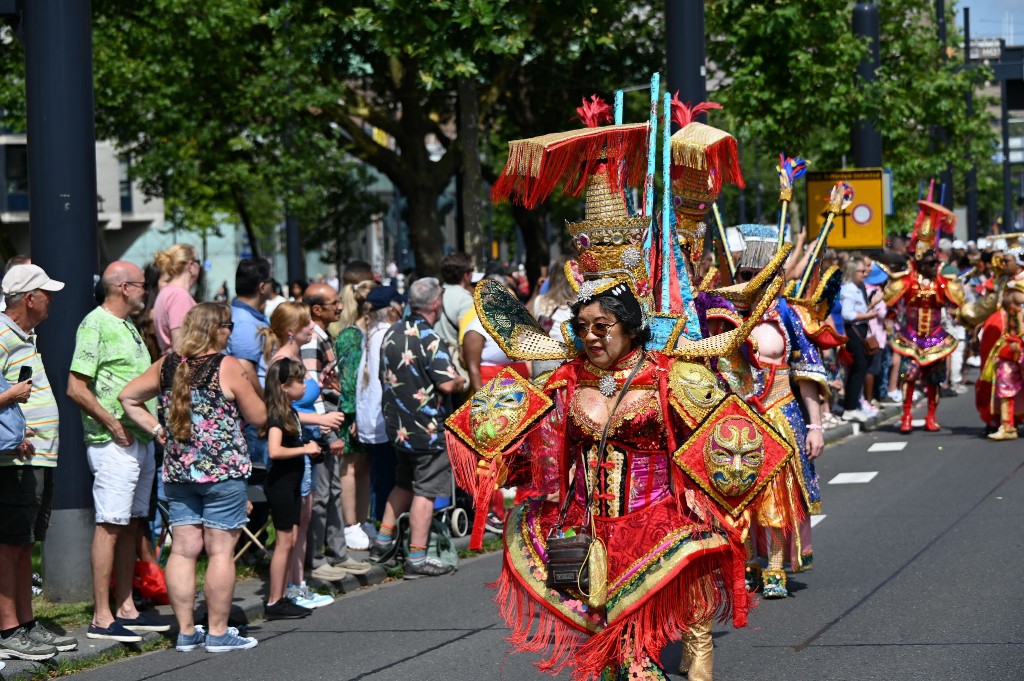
790,84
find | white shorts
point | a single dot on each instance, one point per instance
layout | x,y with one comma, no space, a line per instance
123,480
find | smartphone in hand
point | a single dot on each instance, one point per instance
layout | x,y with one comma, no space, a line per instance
24,374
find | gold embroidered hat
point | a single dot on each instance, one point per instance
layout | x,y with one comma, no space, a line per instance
603,160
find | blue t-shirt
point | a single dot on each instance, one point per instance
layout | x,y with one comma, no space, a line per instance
245,342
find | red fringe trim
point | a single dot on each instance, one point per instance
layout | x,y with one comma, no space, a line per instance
463,461
572,161
693,596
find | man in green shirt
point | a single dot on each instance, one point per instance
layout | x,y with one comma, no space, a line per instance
109,353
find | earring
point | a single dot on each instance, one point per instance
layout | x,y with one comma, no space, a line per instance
608,338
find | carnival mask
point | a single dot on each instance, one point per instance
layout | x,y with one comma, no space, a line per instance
734,455
493,413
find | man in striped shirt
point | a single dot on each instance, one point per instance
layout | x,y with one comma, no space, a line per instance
26,482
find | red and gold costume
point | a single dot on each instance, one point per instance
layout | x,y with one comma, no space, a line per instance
920,339
664,499
1004,368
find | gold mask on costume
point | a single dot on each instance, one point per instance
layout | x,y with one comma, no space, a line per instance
493,412
734,455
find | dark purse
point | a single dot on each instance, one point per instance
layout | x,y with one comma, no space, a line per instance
569,557
868,341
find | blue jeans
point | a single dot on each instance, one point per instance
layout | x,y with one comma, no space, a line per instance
219,505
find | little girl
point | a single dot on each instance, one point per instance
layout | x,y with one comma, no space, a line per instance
285,383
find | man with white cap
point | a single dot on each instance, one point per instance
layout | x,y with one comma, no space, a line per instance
26,481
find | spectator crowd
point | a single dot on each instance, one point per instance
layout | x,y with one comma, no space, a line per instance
331,400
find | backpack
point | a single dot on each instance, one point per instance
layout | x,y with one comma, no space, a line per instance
439,544
12,422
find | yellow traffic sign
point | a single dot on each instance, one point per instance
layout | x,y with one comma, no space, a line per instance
862,225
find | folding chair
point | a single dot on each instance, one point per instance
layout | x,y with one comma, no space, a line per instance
259,516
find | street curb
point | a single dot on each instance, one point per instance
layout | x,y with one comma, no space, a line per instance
246,609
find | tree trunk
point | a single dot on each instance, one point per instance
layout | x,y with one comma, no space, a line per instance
469,133
425,236
538,251
243,214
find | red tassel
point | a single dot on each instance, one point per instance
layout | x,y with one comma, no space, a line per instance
594,112
570,162
684,114
464,461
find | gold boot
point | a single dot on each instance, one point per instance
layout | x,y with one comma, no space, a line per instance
1007,429
698,653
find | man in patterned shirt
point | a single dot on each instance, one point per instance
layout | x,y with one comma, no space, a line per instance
417,375
26,479
109,353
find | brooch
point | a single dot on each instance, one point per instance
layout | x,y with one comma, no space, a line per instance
607,385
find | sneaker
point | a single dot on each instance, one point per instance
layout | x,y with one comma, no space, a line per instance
355,538
307,598
284,609
973,361
948,392
893,397
961,389
370,529
868,408
21,647
494,524
142,623
41,634
429,567
351,566
382,553
115,632
855,415
329,573
229,642
189,642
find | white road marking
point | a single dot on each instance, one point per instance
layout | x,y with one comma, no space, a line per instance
917,423
887,447
815,519
853,478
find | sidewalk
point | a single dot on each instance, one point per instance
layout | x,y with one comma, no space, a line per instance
247,607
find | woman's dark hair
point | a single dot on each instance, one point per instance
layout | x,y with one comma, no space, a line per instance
279,407
624,308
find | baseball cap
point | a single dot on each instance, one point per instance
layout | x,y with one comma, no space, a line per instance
25,278
877,276
382,296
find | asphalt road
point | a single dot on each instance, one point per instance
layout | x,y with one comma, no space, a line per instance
917,576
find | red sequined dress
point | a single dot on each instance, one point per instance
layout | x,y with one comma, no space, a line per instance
671,563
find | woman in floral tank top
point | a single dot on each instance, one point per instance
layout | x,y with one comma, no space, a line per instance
204,395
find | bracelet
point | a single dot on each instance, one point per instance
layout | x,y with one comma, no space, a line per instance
156,429
813,426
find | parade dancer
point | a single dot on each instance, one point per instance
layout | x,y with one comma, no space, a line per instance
919,296
1006,361
656,461
778,356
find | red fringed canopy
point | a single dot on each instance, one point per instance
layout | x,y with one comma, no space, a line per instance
537,165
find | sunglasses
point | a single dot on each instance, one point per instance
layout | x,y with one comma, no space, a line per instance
599,328
230,326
